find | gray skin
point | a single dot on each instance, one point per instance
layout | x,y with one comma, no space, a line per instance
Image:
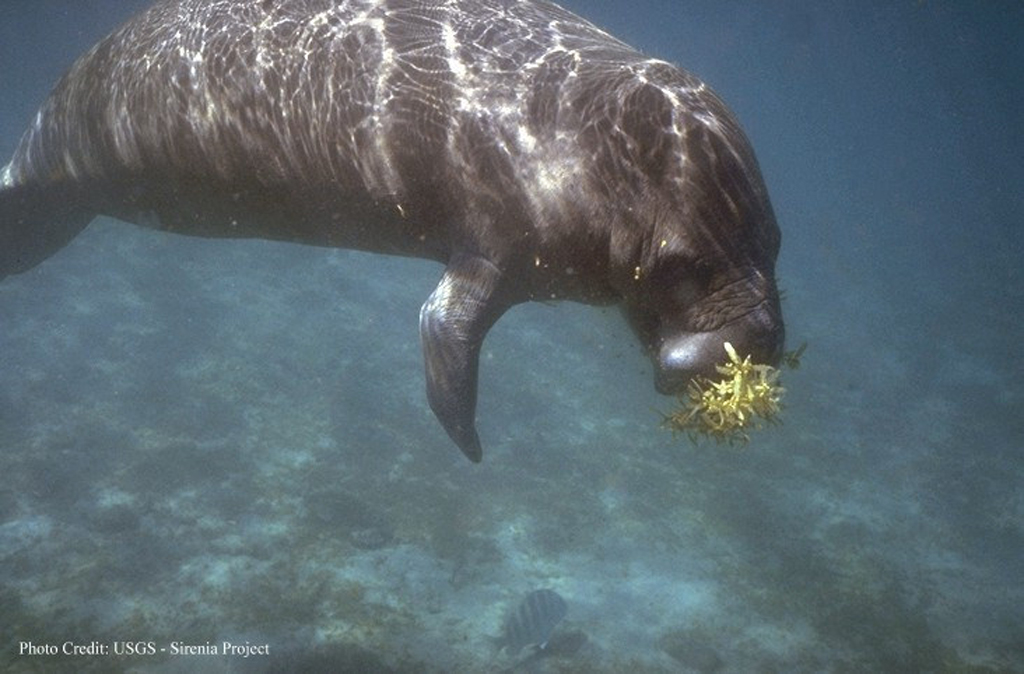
534,155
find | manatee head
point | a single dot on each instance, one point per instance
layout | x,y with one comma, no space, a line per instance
694,255
693,300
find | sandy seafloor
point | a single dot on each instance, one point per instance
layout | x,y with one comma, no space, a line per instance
208,441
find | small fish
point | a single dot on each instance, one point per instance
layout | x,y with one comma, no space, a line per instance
533,621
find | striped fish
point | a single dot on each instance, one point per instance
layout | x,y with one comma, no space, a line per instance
533,621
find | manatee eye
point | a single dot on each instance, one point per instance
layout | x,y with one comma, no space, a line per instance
686,292
683,281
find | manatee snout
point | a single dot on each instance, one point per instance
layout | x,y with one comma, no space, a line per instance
681,357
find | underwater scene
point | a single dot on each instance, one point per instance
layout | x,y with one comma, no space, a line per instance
218,455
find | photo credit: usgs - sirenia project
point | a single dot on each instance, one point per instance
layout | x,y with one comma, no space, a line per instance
99,648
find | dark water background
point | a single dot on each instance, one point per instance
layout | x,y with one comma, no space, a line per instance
206,440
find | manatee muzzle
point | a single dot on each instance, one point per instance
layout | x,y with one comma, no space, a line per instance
683,356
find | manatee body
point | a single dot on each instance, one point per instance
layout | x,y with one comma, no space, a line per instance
534,155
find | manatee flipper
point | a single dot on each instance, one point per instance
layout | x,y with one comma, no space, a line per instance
37,221
453,323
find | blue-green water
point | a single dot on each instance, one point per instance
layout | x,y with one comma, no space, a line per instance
209,441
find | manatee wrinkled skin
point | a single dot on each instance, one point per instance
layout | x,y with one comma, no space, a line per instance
534,155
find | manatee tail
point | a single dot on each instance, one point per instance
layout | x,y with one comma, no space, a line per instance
38,220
